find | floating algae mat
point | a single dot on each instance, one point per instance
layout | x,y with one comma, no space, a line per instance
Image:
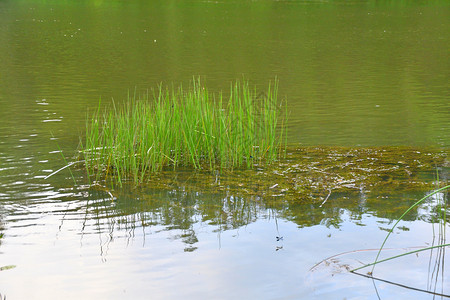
178,127
192,139
319,174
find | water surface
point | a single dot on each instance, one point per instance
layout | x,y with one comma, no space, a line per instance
355,74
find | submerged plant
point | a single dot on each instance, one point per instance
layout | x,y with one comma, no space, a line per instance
175,127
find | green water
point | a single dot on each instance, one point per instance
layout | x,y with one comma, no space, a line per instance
364,73
355,74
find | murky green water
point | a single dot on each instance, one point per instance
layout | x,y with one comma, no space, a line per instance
360,73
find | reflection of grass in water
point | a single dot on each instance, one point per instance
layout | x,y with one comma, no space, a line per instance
179,201
4,268
295,187
183,127
177,211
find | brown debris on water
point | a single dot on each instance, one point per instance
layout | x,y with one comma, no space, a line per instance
315,173
312,185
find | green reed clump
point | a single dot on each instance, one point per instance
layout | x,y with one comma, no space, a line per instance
173,127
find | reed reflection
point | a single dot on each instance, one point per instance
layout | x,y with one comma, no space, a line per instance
311,187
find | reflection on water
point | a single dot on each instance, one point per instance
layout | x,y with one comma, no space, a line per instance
257,231
191,242
366,73
182,211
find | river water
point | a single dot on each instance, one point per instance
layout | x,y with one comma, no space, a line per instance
355,74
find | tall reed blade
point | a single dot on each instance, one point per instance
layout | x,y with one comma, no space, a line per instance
190,127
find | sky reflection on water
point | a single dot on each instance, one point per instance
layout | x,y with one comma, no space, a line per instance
87,248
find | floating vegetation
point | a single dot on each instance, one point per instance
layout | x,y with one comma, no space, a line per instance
309,187
315,181
178,127
315,173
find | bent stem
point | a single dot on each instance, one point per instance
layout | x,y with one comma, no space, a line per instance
395,225
65,161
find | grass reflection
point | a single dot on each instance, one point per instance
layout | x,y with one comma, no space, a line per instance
178,211
311,186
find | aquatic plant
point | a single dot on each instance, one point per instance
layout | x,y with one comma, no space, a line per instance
438,268
174,127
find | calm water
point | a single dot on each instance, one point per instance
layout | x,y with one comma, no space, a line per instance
359,73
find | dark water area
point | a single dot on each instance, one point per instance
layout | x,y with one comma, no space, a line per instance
366,84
